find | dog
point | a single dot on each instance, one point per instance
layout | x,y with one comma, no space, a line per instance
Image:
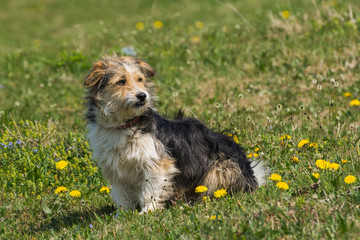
148,159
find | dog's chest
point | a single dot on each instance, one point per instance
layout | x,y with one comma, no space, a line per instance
123,154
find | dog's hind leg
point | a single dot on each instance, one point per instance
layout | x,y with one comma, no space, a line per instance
225,174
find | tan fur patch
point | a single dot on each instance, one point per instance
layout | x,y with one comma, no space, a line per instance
224,174
168,170
96,74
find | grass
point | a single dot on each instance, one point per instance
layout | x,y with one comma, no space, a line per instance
244,69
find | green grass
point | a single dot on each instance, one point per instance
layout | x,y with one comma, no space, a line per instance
247,71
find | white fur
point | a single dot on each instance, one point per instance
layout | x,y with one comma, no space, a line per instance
260,171
131,69
130,161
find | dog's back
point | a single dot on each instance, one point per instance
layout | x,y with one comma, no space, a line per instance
204,157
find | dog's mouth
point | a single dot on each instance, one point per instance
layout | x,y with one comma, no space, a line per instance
139,104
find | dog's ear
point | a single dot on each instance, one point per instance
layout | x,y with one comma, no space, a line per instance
97,72
146,69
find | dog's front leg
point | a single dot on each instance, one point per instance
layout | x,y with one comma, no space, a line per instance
124,196
151,197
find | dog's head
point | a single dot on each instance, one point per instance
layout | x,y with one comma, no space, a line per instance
118,90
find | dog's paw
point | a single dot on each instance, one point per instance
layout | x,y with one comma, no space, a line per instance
142,212
147,209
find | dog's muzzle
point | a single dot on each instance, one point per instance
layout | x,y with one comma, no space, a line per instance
142,98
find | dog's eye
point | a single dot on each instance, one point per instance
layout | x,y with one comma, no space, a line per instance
140,79
121,82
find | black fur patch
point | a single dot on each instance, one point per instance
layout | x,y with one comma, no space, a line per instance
196,148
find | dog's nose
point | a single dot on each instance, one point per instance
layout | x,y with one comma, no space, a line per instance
141,96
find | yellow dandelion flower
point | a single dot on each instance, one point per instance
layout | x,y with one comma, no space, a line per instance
275,177
195,39
220,193
285,136
343,161
200,189
61,165
252,155
313,145
199,25
158,24
140,26
322,164
303,142
282,185
350,179
204,199
213,217
60,190
316,175
104,189
234,137
285,14
355,102
75,193
295,159
256,149
347,94
334,166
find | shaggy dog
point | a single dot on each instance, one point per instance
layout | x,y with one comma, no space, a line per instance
150,160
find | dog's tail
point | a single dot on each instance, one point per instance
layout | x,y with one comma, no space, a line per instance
260,171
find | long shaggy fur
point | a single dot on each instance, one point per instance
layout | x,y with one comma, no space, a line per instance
149,159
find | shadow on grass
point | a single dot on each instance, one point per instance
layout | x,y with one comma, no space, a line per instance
74,218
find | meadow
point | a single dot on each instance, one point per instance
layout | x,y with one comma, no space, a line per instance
282,76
